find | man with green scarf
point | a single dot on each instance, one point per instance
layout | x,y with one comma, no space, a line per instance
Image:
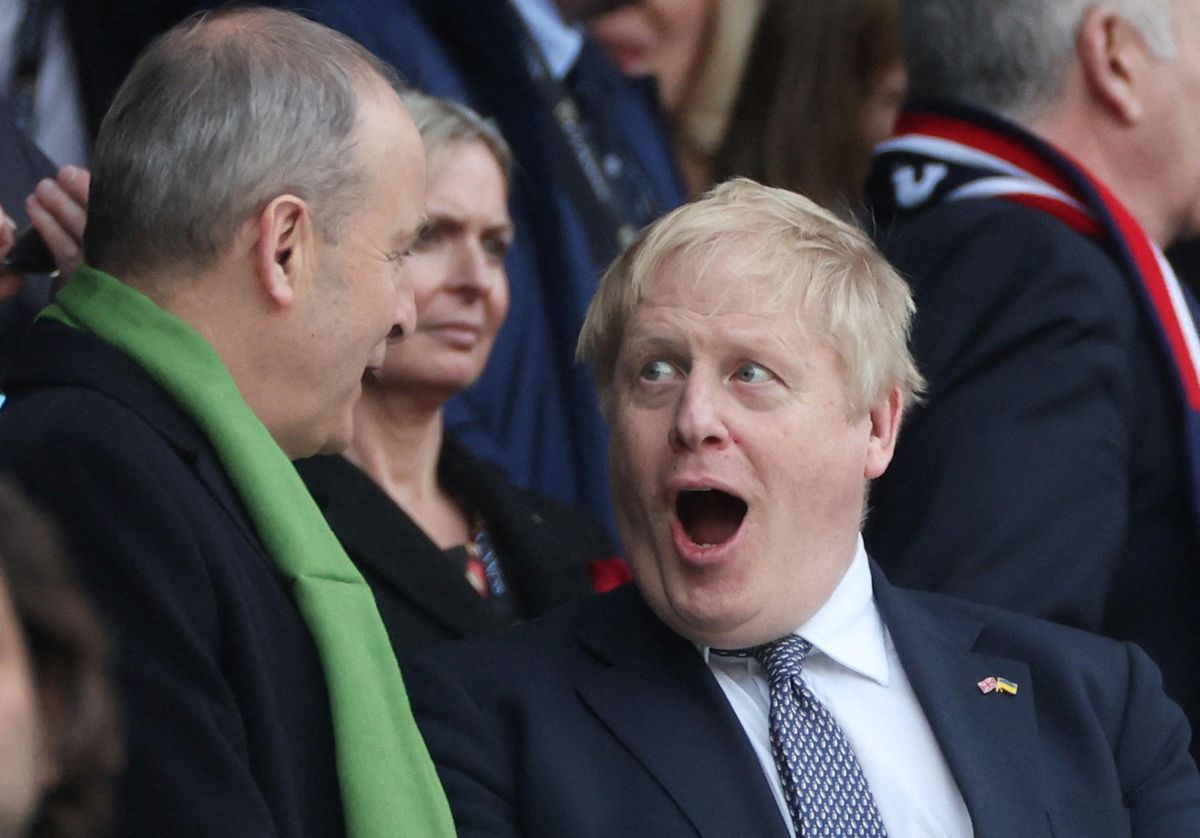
255,187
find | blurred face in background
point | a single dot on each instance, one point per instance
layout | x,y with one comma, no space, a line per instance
22,776
457,273
882,103
660,38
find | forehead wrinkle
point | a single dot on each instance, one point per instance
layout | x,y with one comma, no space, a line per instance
726,283
743,335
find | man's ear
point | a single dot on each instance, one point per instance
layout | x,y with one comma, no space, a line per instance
284,250
885,428
1114,59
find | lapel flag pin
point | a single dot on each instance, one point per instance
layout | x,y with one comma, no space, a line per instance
996,684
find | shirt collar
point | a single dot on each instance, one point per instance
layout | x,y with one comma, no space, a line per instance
559,42
848,629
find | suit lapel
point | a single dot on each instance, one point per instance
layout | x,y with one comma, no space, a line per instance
657,697
989,740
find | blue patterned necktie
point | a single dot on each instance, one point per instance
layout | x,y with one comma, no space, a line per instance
826,793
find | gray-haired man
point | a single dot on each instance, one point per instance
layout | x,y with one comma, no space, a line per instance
1052,150
254,189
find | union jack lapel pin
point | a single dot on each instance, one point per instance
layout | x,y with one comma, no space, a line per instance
996,684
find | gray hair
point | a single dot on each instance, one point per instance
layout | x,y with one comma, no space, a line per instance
220,115
801,254
1010,56
442,122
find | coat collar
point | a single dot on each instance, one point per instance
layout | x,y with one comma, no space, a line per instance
388,546
393,550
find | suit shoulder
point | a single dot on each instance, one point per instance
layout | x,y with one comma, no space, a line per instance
1025,636
541,648
997,236
73,421
70,392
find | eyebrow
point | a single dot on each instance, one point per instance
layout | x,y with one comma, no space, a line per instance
405,240
506,228
744,341
652,344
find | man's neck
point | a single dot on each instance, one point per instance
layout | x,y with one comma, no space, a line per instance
1111,154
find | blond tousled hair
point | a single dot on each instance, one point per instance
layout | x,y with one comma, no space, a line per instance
795,253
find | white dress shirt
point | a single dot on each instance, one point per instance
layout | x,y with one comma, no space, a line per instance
853,669
559,41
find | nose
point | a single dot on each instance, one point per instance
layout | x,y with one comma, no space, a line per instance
405,314
474,268
699,420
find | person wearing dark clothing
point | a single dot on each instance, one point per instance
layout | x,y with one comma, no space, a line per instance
545,549
449,546
762,677
1054,467
241,279
22,165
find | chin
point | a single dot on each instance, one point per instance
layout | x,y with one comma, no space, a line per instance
707,612
720,627
334,445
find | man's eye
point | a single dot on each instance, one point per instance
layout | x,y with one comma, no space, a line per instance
497,247
425,236
657,371
751,373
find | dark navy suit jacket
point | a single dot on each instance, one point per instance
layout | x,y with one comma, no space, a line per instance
599,721
1047,471
225,713
534,412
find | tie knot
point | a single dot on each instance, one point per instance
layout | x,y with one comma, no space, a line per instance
783,657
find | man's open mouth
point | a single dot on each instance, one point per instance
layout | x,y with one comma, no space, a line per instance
709,517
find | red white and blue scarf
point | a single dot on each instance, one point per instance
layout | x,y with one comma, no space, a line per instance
951,153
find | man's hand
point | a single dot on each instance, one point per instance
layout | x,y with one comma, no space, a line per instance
58,210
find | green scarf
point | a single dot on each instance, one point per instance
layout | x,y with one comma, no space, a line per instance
389,786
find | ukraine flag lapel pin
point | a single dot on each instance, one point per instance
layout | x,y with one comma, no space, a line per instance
996,684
